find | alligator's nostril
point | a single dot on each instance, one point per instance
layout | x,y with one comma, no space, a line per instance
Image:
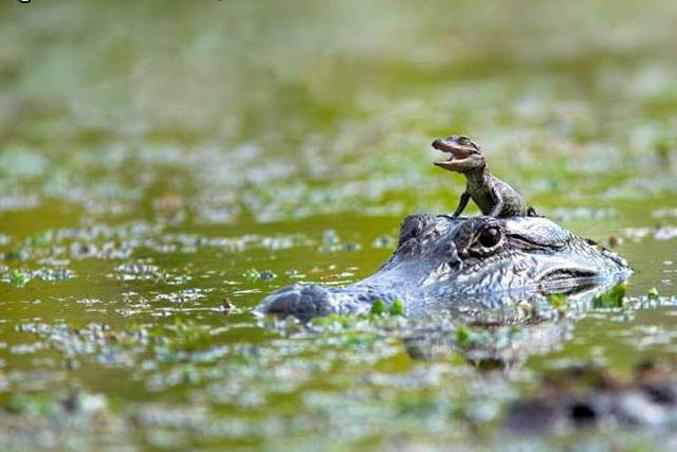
582,413
301,301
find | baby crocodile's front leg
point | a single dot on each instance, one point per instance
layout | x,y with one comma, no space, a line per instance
462,203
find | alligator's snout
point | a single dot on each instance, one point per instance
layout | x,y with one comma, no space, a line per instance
311,300
300,301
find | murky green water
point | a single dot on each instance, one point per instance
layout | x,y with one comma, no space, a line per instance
164,166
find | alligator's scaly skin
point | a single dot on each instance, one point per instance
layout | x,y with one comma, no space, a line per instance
479,263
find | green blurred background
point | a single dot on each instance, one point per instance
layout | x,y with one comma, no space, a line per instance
269,99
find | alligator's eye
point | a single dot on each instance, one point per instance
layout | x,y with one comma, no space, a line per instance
464,141
487,241
489,237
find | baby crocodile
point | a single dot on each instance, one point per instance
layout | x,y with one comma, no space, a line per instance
494,197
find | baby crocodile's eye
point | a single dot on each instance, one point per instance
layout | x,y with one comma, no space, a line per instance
489,237
464,141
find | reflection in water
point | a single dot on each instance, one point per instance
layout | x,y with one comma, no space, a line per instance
497,347
506,338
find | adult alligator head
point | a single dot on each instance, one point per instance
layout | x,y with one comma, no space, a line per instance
478,263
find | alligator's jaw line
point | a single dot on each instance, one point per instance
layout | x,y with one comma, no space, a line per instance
438,264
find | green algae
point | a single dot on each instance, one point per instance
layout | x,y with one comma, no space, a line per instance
613,298
397,308
252,274
18,278
558,301
464,336
378,307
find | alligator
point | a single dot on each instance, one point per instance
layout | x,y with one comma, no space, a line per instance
493,196
480,263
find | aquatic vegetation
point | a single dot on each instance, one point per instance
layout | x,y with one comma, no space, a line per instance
185,335
397,307
611,299
379,307
558,301
18,278
463,336
253,274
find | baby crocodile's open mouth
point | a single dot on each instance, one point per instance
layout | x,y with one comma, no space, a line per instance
456,152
